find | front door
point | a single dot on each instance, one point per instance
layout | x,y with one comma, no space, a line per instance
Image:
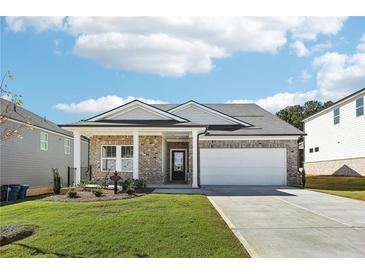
178,165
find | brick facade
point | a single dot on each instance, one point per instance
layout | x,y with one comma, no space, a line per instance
150,159
150,156
290,145
345,167
155,169
95,153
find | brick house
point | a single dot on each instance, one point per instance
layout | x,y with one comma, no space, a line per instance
191,143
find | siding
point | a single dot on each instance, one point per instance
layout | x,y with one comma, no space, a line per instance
341,141
22,161
137,113
200,116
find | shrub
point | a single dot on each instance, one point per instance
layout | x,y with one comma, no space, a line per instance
130,191
139,183
56,181
98,192
84,182
128,183
72,193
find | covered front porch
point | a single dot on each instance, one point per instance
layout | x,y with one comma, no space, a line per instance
164,157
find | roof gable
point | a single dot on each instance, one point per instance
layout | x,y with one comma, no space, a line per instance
202,114
136,110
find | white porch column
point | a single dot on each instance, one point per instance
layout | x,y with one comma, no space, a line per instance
135,155
77,157
195,159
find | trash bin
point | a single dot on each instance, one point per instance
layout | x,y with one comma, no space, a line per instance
13,192
3,193
23,191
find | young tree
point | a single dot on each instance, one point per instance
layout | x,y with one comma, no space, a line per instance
13,100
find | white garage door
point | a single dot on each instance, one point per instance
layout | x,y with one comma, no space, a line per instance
243,166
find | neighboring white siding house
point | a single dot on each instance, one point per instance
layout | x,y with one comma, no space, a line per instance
335,141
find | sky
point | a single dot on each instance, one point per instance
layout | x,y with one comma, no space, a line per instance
71,68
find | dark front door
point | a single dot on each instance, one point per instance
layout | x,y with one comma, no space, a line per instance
178,165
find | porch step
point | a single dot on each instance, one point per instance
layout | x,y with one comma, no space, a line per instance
170,186
177,191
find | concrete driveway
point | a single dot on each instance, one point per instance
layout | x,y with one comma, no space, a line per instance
291,222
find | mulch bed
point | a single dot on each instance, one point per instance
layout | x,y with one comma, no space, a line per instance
12,233
88,196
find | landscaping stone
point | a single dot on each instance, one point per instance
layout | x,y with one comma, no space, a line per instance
12,233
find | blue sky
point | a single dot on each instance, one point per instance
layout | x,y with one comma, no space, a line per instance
70,68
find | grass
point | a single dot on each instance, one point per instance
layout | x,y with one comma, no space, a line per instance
350,187
150,226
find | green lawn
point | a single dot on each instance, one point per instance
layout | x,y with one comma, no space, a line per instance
350,187
149,226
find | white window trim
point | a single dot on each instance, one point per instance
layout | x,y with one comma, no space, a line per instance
43,142
125,158
67,146
118,159
359,107
111,158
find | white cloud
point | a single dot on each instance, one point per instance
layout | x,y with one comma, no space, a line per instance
290,80
153,53
174,46
361,46
299,48
101,104
39,24
280,100
337,76
308,28
321,47
305,75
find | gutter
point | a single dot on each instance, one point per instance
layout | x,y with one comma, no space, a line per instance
204,132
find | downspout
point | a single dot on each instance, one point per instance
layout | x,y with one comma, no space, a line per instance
204,132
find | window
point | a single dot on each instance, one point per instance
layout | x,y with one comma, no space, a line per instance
360,107
311,150
336,116
316,149
127,158
44,141
67,146
108,158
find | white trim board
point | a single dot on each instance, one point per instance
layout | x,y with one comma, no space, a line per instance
234,138
209,110
132,105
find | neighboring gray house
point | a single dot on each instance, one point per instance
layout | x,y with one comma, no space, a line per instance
191,143
29,159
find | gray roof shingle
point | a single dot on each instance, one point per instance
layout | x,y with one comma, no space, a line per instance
262,121
20,114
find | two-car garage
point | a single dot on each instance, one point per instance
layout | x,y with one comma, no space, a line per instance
243,166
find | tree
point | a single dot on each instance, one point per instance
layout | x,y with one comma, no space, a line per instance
14,100
294,115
